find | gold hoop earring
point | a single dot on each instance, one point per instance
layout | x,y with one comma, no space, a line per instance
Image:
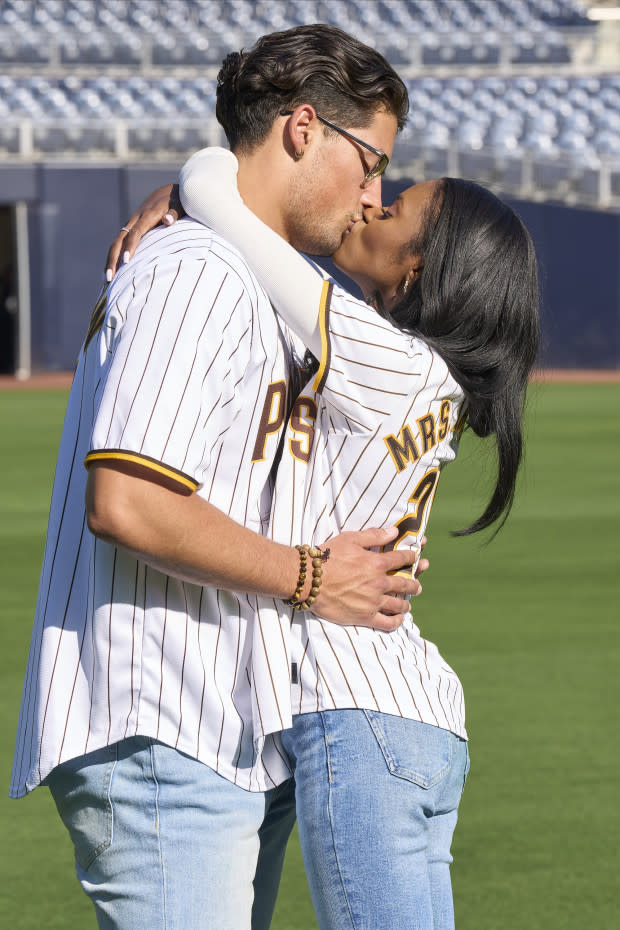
299,155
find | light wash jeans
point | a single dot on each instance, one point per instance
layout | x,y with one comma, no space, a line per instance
162,842
377,800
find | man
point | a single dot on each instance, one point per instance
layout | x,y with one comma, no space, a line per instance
137,706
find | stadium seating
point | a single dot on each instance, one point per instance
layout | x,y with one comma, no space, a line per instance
578,116
492,89
195,32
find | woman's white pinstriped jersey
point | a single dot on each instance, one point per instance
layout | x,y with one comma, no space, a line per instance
364,447
176,373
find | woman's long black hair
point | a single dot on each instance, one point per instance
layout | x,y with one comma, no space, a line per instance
476,304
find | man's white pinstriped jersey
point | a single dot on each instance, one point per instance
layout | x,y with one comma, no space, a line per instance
177,374
364,447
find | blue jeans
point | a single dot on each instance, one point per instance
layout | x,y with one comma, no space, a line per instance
377,800
162,842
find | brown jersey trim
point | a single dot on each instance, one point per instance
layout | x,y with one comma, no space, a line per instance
119,455
326,349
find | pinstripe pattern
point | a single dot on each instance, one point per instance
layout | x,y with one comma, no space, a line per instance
176,379
374,381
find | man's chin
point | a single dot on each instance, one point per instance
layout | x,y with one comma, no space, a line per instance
320,243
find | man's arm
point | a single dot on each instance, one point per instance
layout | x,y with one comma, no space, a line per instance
184,536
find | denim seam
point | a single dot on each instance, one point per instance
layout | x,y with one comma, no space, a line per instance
331,825
108,791
467,767
161,855
106,787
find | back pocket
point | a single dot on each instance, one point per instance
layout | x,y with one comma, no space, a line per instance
417,752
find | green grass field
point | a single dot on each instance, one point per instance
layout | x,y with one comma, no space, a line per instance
529,622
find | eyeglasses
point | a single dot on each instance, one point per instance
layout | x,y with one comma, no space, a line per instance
375,172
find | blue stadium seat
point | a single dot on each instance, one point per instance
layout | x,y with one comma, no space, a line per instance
97,49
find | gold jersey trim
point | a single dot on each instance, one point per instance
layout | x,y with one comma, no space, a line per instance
119,455
321,375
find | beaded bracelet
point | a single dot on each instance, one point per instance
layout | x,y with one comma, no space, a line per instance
318,556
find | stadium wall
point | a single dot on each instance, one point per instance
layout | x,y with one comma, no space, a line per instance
74,211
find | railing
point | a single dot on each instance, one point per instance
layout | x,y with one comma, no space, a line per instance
96,140
526,175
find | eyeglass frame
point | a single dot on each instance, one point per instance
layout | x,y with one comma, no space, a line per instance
378,170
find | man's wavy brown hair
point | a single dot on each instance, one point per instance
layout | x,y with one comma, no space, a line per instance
343,79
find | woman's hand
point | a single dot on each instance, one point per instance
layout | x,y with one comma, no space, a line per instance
162,206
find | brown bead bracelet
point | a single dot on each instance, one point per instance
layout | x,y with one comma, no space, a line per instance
318,556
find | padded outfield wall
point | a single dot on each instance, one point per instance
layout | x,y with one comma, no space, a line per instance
74,211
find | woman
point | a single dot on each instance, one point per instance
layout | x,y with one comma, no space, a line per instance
373,723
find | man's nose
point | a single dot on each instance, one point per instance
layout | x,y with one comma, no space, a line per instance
371,194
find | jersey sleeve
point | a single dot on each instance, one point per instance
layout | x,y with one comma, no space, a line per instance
368,368
174,345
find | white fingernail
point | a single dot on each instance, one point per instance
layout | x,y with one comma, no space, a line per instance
109,275
169,219
125,257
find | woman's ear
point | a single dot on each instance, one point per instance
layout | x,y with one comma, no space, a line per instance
412,275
